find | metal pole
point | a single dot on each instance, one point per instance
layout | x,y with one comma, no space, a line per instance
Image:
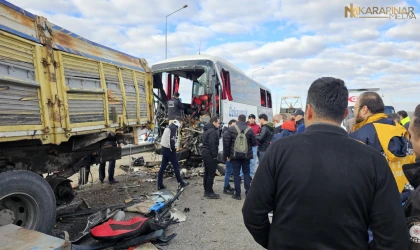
166,30
256,71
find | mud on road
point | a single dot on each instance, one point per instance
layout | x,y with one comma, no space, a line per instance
210,224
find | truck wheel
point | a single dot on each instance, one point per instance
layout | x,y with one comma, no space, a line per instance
26,200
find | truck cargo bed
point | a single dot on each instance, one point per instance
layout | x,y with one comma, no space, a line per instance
55,84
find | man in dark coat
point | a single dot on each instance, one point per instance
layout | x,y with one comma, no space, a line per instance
227,189
175,107
328,197
412,172
209,154
239,161
265,136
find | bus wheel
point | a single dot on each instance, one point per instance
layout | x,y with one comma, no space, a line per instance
26,200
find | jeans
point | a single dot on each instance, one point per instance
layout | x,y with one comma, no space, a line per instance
237,166
253,162
169,156
111,170
210,166
228,173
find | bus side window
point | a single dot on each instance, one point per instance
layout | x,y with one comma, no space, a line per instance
226,89
269,100
263,98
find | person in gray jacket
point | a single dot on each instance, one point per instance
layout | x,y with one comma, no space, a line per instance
168,143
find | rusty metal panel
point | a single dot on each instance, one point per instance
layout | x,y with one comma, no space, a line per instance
17,21
84,92
131,93
86,107
115,98
19,103
67,41
142,93
81,73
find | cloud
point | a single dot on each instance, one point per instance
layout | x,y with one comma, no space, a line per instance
405,31
295,41
258,52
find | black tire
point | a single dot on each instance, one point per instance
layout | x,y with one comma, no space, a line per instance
221,168
30,198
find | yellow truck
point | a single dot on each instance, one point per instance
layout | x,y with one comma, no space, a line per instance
62,97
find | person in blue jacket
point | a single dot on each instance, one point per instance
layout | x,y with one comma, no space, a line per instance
300,121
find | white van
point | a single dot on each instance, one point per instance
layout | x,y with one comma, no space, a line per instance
355,93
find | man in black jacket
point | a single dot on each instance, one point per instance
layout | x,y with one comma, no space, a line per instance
265,136
175,107
328,197
412,172
239,161
209,153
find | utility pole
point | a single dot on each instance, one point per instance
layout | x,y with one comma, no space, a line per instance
166,30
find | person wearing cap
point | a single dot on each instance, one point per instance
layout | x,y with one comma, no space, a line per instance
175,107
265,136
256,128
300,121
168,142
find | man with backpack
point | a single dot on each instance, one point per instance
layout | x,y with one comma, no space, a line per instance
264,137
237,148
374,128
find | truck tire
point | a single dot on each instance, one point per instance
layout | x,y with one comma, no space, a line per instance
26,200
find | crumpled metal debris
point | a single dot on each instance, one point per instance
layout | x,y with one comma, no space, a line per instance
142,207
162,196
177,215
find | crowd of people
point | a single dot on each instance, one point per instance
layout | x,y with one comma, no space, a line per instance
326,188
329,188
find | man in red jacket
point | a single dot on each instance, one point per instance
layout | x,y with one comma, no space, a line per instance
256,128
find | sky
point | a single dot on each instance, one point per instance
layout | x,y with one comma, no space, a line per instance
295,41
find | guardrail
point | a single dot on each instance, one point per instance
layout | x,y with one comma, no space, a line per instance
137,149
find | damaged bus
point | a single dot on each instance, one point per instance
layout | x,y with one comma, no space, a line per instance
209,86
